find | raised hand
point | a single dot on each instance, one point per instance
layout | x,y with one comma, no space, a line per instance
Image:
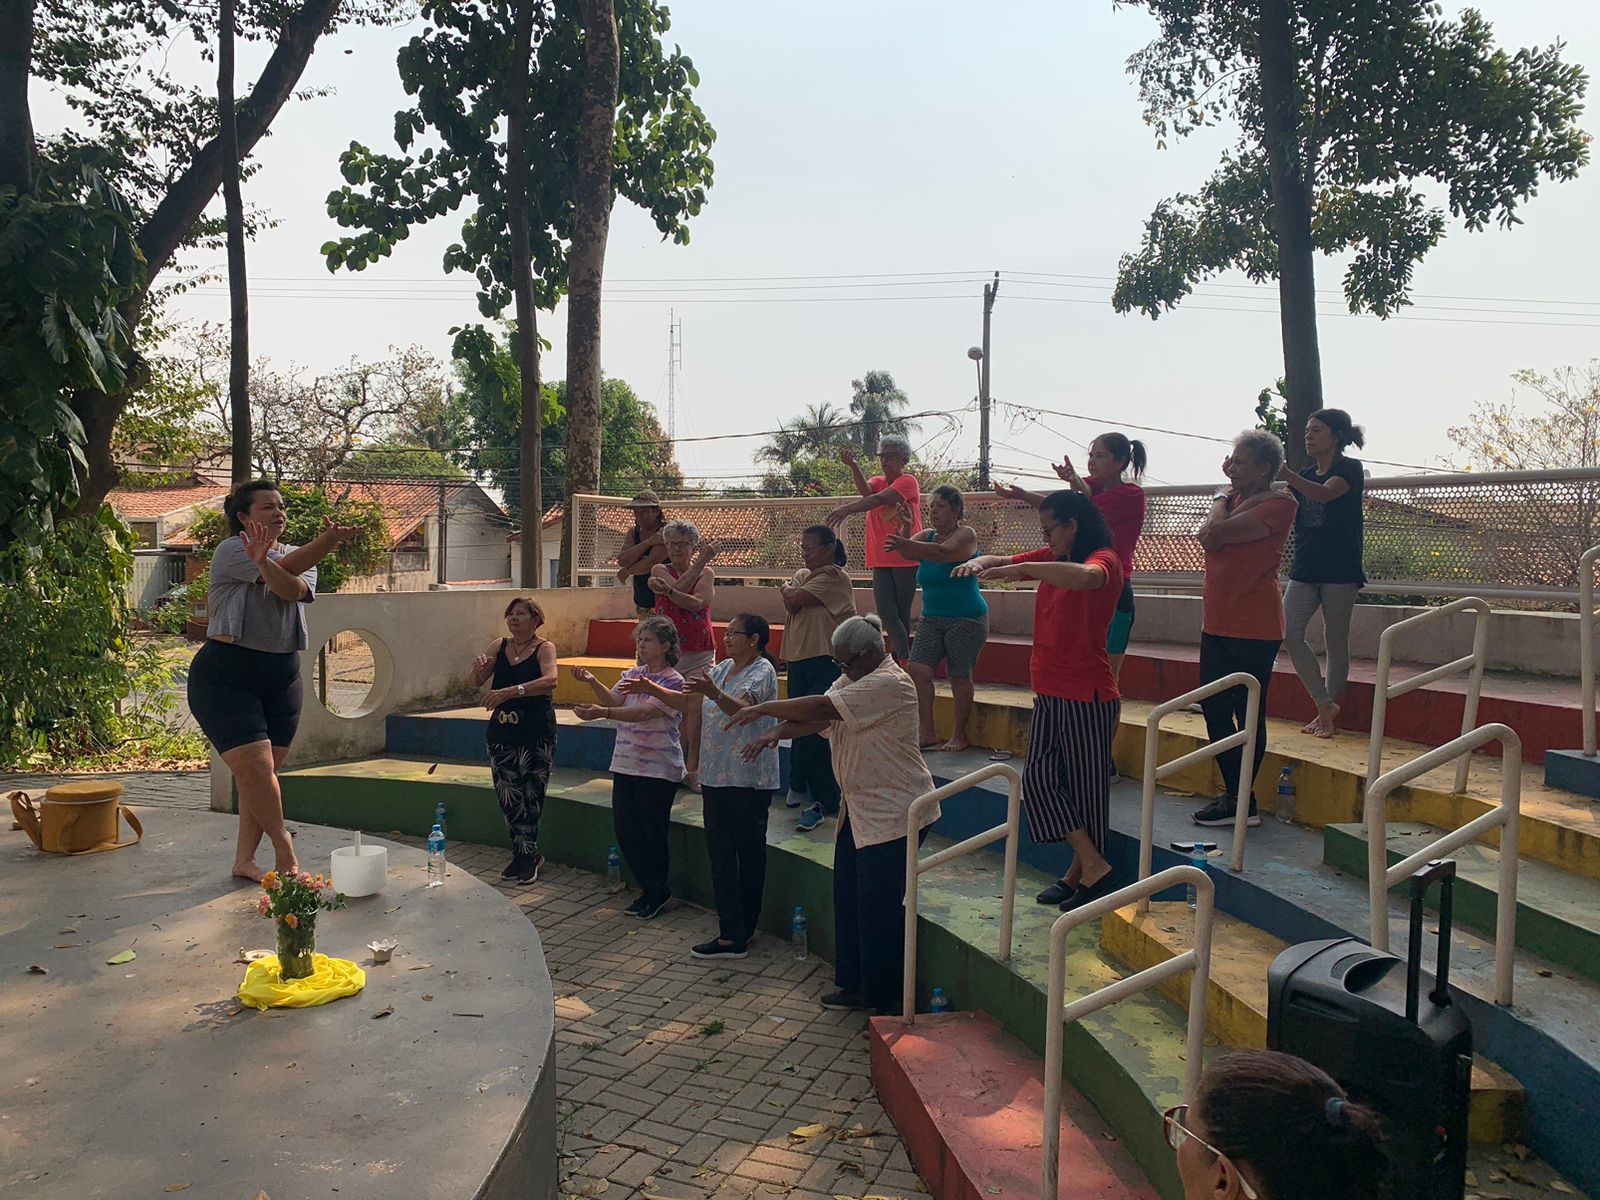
894,541
709,549
339,533
638,685
837,517
701,685
967,569
494,698
589,712
257,539
756,747
744,717
659,585
1064,470
847,456
1012,572
583,674
1010,491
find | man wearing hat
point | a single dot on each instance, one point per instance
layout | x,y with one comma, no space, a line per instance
643,550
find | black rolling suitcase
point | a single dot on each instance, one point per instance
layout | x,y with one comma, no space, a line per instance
1360,1015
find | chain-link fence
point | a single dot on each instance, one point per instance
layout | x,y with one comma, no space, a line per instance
1514,535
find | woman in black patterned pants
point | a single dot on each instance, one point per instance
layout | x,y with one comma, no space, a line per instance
522,729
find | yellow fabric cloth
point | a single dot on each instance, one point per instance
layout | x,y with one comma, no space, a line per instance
331,979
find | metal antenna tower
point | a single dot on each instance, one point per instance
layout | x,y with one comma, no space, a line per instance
674,361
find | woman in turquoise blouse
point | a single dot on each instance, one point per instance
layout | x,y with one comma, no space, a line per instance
955,617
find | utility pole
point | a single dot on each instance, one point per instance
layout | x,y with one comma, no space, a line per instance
442,545
674,361
990,291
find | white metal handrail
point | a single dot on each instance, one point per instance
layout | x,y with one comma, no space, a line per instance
1586,619
1244,738
1506,815
1057,1014
1383,691
1010,832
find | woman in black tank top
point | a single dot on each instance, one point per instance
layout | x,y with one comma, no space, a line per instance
521,736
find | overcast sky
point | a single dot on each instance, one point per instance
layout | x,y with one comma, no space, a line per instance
934,143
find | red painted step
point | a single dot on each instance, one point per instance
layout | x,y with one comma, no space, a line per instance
1545,712
968,1101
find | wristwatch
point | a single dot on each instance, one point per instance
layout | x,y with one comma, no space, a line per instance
521,691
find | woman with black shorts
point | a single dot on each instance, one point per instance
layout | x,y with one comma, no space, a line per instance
521,671
244,684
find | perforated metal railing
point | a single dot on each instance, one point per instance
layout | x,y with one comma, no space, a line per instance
1510,535
1586,666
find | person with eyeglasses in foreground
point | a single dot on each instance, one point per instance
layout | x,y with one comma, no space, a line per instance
870,715
1270,1126
1066,785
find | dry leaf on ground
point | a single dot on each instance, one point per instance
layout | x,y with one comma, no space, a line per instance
383,1012
802,1132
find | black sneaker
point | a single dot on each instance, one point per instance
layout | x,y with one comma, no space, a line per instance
718,949
843,1002
633,909
1055,893
650,908
530,868
514,867
1221,811
1082,896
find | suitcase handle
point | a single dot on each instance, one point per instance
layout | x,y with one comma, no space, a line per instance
1443,870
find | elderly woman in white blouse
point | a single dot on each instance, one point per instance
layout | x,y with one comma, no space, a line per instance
870,716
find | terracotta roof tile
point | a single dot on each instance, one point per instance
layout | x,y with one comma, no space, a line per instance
146,504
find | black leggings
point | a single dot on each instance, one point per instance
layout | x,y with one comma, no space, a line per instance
641,815
736,843
1225,712
239,696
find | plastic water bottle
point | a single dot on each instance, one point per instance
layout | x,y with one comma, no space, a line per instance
1286,797
436,857
798,945
438,817
613,871
1197,858
940,1002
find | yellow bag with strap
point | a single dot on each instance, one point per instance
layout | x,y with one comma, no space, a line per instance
76,818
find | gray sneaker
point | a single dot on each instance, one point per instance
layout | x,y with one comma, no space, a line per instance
810,818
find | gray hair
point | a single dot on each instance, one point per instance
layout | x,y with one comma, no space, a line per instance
893,443
1263,447
857,635
664,631
683,527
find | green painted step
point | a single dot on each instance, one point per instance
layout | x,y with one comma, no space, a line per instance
1558,912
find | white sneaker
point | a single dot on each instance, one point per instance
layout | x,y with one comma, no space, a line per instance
796,799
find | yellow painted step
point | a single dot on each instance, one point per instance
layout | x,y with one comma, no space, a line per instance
1236,1006
1557,827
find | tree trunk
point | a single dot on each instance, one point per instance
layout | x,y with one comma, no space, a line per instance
238,285
591,225
16,116
164,231
1291,223
527,332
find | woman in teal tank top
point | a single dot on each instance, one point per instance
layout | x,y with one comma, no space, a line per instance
955,617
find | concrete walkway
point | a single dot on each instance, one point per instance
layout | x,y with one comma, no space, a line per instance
676,1078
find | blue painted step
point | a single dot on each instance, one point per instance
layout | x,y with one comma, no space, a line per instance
1558,913
1573,771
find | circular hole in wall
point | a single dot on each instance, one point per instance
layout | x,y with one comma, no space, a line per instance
349,673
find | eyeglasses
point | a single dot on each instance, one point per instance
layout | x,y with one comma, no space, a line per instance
844,663
1177,1133
732,632
1047,530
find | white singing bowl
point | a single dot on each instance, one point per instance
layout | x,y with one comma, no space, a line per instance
360,870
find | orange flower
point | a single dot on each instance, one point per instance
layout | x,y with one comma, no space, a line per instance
292,921
270,881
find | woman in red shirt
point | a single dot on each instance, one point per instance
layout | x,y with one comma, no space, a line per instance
683,586
893,504
1066,785
1121,501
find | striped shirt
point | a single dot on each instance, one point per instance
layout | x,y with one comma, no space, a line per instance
653,748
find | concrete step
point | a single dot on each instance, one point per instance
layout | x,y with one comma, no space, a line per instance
968,1101
1126,1061
1558,913
1546,712
1558,827
1573,771
1236,1007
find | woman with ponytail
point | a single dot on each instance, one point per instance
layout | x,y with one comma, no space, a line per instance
1270,1126
1121,501
244,685
1325,568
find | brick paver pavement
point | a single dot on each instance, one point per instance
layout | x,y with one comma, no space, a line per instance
676,1078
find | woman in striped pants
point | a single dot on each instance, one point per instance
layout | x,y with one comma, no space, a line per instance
1066,786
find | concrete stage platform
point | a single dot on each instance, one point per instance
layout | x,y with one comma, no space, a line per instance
149,1078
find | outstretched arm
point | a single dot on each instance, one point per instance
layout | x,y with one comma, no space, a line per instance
318,548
